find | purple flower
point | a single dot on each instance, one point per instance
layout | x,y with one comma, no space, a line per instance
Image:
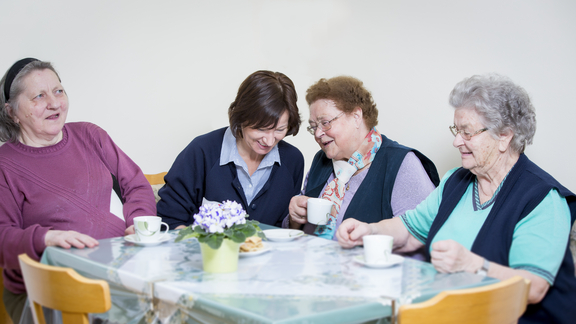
215,218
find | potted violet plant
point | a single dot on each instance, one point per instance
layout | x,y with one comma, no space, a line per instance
220,229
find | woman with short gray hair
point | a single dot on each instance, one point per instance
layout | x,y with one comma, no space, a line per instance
501,104
500,215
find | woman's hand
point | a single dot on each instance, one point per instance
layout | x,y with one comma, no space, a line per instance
450,256
130,230
351,231
68,239
297,211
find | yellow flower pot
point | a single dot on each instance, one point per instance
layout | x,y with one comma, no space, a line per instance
221,260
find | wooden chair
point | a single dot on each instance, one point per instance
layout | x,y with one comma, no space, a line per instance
63,289
4,317
502,302
155,179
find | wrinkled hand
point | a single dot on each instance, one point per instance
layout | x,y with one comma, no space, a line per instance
130,230
68,239
351,231
297,211
450,256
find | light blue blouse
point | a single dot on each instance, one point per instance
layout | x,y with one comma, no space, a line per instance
250,184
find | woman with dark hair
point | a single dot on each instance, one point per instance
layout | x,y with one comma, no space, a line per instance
247,162
366,175
499,215
57,178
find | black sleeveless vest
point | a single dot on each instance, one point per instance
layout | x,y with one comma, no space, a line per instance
525,187
371,203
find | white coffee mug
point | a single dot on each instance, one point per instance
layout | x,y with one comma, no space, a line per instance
318,211
147,228
377,248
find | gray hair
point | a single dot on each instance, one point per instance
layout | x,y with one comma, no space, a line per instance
10,130
501,104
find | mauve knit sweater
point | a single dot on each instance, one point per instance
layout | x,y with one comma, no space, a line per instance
66,186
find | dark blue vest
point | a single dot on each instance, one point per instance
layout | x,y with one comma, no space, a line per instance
371,203
525,187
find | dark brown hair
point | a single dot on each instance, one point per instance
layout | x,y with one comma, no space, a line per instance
261,100
347,93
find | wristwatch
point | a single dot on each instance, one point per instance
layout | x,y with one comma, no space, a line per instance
483,271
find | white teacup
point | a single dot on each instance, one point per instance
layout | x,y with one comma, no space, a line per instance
147,228
318,211
377,248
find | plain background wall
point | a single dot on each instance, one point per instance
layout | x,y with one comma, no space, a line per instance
155,74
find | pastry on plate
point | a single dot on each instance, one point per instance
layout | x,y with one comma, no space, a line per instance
252,244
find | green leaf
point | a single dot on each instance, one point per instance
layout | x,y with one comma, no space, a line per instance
238,237
186,233
214,241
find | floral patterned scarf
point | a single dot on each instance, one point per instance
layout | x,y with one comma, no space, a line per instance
343,172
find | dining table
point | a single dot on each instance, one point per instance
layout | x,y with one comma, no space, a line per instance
301,279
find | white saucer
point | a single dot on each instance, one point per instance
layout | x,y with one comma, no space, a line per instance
394,260
282,235
255,253
132,239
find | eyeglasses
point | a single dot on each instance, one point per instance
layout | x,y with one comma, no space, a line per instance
465,135
323,125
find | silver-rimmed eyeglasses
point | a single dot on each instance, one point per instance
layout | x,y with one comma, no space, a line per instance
465,135
323,125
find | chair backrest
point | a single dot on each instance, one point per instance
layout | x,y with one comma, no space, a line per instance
63,289
4,317
155,179
502,302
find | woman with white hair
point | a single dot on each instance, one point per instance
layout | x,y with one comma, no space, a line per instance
498,215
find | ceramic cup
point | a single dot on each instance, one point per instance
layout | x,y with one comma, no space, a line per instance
147,228
377,248
318,211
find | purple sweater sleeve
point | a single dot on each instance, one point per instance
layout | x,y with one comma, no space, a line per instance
412,185
137,196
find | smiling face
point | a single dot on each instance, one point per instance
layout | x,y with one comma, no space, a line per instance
482,152
260,141
346,132
42,109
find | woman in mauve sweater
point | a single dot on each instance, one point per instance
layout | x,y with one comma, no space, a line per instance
56,179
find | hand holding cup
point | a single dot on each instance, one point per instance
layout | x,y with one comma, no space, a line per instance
318,211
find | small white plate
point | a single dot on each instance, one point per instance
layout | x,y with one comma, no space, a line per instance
132,239
282,235
394,260
255,253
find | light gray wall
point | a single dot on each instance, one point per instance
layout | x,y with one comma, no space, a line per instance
155,74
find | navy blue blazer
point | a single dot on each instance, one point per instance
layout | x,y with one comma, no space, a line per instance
196,174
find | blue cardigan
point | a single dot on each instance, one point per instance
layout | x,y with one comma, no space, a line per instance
525,187
196,174
372,201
